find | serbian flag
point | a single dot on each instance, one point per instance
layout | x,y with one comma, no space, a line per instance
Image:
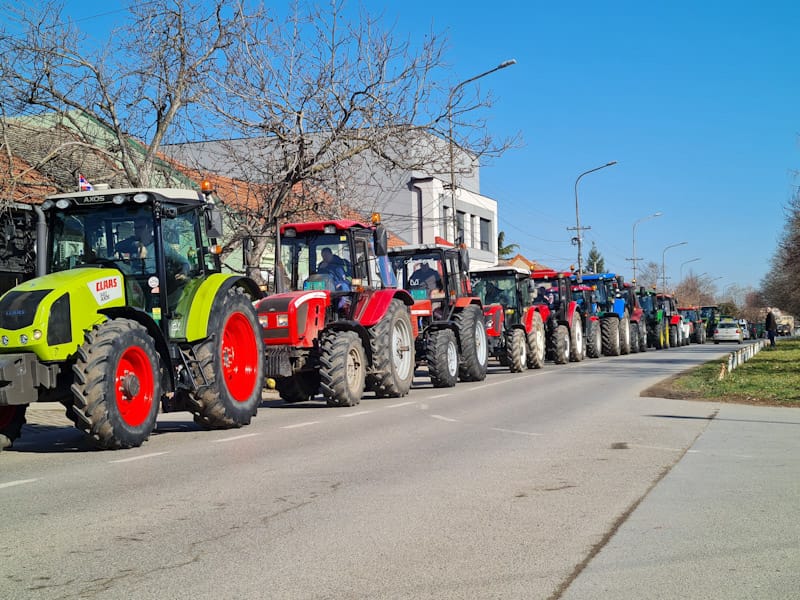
84,185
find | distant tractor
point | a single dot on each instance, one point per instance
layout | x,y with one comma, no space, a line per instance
559,310
710,316
697,329
131,312
584,297
339,325
515,330
448,317
669,306
615,321
654,319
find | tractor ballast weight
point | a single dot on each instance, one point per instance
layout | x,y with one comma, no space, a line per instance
515,332
123,323
340,326
552,298
448,318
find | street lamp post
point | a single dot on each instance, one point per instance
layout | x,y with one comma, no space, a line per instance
663,266
578,229
634,258
502,65
686,262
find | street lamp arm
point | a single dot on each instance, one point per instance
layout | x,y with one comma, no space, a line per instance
578,228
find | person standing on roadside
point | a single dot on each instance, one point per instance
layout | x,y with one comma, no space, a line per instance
771,325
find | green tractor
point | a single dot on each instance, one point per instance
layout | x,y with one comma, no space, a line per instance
130,312
654,319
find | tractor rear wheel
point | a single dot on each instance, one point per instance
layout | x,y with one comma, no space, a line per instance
300,387
634,327
392,353
561,345
609,329
536,342
12,418
442,358
517,350
594,342
117,386
342,369
576,349
474,351
660,337
232,364
642,336
673,336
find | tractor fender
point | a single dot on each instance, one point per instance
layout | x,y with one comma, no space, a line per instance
463,301
214,285
675,320
154,331
636,315
373,304
619,307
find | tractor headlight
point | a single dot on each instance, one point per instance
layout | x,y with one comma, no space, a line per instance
37,334
263,320
489,323
5,340
282,320
23,339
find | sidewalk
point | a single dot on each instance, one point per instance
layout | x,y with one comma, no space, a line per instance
723,523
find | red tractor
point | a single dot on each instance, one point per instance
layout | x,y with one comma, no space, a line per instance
563,323
338,323
592,335
514,329
448,316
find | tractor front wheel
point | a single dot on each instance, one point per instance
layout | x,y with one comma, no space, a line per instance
474,351
673,336
576,349
232,364
117,385
342,369
517,350
299,387
609,329
392,353
442,358
561,345
594,342
634,337
536,342
12,418
625,334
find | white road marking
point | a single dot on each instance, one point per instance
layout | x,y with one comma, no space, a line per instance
236,437
133,458
306,424
441,418
659,448
355,414
9,484
515,431
439,396
400,404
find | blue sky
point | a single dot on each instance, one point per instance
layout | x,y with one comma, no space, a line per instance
697,101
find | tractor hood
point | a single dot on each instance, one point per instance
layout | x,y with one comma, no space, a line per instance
48,315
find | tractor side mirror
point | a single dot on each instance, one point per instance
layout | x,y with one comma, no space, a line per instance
381,240
213,222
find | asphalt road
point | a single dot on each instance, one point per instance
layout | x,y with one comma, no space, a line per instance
503,489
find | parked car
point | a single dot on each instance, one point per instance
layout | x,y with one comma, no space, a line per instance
728,331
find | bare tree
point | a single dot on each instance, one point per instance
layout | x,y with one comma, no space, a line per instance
649,275
695,291
121,101
313,99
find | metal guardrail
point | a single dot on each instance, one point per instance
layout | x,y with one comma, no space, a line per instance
741,356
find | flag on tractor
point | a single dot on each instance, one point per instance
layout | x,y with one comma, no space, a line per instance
83,184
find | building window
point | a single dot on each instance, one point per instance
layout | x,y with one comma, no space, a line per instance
460,226
486,235
447,225
474,240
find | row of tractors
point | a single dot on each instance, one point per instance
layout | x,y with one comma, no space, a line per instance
117,327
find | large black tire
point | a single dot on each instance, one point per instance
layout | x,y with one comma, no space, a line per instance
343,367
232,363
300,387
474,353
392,353
662,336
517,350
609,329
625,334
642,336
442,358
12,418
537,343
673,336
634,327
594,341
576,348
561,345
117,385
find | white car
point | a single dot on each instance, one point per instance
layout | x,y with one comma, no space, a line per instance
728,331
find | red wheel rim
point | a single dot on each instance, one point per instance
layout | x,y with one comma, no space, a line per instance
239,357
134,407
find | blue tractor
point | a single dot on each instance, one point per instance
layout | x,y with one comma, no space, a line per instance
615,330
